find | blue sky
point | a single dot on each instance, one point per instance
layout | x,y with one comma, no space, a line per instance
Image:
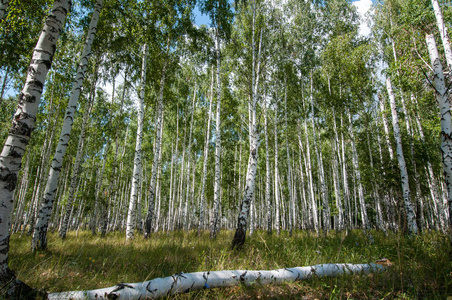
200,18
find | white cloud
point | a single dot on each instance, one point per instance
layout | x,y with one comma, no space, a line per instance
363,7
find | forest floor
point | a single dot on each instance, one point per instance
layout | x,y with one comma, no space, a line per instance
422,265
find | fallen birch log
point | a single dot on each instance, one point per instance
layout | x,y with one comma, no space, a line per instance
186,282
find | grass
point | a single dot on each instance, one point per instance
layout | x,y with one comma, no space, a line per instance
422,264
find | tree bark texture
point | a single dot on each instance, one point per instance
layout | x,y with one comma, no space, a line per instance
187,282
444,35
40,231
409,207
136,178
441,94
23,121
157,149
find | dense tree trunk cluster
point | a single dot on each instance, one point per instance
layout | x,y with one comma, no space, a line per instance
289,81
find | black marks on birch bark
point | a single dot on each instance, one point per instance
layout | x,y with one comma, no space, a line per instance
26,98
239,238
9,178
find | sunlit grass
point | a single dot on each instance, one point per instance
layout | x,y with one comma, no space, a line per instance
422,264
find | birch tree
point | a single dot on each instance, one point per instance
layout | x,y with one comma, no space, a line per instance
157,149
77,163
185,282
443,33
441,93
23,124
39,240
217,186
409,208
240,233
136,178
205,156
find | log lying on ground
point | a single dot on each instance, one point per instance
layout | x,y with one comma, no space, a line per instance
186,282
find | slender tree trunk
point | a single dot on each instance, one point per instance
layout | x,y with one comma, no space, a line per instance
276,189
289,170
385,126
77,163
5,80
136,178
432,182
23,123
444,35
324,193
157,149
267,174
347,198
240,233
409,208
315,217
189,161
446,128
386,196
40,232
217,183
336,177
204,164
362,204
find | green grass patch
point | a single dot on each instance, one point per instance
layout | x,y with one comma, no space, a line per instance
422,264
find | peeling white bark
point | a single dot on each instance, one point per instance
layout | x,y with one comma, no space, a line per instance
183,283
441,93
276,189
157,150
137,159
217,184
409,207
76,167
205,156
24,120
362,204
324,193
267,173
443,32
40,231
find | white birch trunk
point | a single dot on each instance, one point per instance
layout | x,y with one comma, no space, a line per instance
441,93
76,167
315,218
289,170
336,178
385,126
137,159
346,190
204,163
217,186
157,149
362,203
325,204
240,233
40,232
187,282
409,207
267,174
185,219
23,123
444,35
276,189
